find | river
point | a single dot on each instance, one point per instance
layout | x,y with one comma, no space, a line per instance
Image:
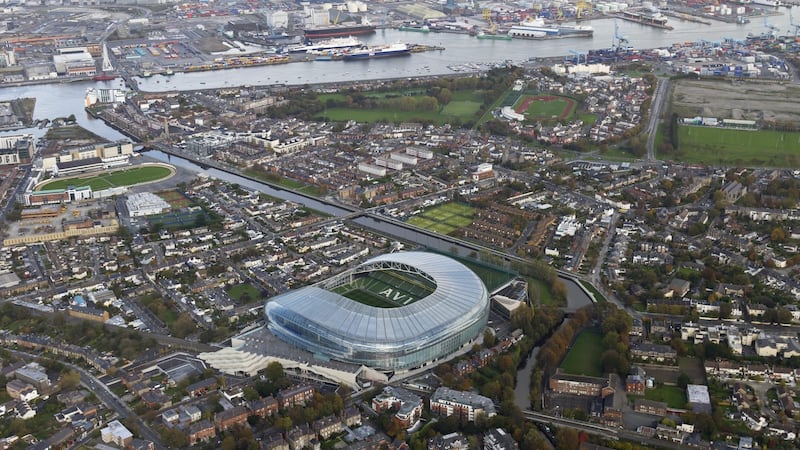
62,99
460,49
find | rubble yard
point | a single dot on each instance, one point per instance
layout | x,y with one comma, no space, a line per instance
736,100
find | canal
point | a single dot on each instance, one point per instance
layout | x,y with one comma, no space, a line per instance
576,297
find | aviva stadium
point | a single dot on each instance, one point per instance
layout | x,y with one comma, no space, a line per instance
394,312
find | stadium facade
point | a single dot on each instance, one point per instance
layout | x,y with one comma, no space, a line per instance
403,337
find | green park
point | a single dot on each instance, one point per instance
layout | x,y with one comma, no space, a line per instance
584,357
402,106
733,147
116,178
445,218
673,396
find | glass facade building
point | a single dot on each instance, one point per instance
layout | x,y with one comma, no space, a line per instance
405,337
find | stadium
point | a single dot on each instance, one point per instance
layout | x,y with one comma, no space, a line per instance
395,312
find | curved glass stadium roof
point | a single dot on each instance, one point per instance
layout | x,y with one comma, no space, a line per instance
334,326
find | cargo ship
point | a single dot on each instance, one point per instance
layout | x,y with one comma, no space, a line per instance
647,16
328,44
496,37
104,77
422,29
338,30
380,51
536,28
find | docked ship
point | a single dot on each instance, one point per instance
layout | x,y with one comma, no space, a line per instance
648,16
329,44
338,30
104,77
416,29
773,3
380,51
493,36
536,28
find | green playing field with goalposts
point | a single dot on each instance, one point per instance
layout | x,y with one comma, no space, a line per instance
724,146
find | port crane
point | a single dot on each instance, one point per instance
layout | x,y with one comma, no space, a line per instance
487,16
582,8
578,56
794,25
773,29
617,40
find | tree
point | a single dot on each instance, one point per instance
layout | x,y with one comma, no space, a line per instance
683,380
250,393
229,443
274,371
70,380
283,422
559,290
174,438
534,440
489,338
725,309
183,326
567,439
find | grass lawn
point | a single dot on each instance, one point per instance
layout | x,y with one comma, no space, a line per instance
125,177
673,396
588,118
246,290
286,182
545,297
464,108
422,222
445,218
492,278
463,105
376,115
584,355
546,110
442,228
368,298
175,199
707,145
598,297
503,100
617,154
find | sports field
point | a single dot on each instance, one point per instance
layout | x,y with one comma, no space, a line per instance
387,289
445,218
723,146
463,105
115,178
176,200
584,356
545,107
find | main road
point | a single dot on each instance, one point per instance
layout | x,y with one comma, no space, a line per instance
656,106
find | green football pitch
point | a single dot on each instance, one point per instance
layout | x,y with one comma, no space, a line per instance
116,178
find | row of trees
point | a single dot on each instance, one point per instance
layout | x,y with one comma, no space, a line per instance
404,103
615,325
540,270
127,344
